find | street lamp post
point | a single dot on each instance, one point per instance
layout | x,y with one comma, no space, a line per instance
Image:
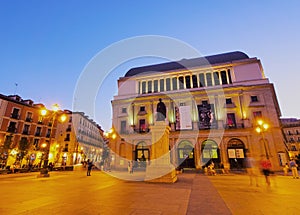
261,128
52,116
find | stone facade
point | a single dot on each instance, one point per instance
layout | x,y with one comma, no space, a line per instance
213,104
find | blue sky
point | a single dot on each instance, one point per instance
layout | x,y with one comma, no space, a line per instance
45,45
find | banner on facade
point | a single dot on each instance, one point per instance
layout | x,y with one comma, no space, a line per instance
206,116
185,117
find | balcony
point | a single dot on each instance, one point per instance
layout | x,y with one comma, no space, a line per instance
141,130
12,129
28,119
25,132
40,122
37,134
48,135
68,129
67,139
233,126
15,116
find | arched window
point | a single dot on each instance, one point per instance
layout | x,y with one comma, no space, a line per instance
210,152
186,154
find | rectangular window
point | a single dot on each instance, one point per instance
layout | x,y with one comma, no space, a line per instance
228,101
174,83
216,78
36,143
254,99
15,113
123,127
257,114
155,86
231,120
26,129
38,131
208,79
224,77
143,87
162,85
202,80
181,86
142,126
168,84
124,110
28,117
149,86
12,127
142,108
229,76
139,88
195,81
188,82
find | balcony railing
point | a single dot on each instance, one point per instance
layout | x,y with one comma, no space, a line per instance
238,125
15,116
68,129
25,132
12,129
28,119
141,131
37,134
67,139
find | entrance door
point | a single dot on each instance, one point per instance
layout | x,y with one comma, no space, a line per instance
236,154
186,155
142,154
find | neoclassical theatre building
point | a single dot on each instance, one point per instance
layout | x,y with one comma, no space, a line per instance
213,106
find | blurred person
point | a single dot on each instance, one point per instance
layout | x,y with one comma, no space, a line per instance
266,166
294,168
286,169
251,169
89,167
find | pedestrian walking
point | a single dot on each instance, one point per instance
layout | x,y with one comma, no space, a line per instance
266,166
130,167
286,169
89,167
251,169
294,168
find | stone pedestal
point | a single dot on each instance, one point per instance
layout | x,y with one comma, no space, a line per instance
160,168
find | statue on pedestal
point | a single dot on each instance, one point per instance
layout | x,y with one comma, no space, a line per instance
161,111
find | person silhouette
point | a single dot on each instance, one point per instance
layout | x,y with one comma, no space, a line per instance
161,111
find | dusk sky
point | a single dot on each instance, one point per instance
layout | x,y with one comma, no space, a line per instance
45,45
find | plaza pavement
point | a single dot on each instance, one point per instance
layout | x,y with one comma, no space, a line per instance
122,193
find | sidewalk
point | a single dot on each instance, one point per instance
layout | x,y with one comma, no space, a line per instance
72,192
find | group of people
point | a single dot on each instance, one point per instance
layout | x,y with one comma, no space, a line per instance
293,166
266,168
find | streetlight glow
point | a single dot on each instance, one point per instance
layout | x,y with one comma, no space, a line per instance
261,128
44,112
